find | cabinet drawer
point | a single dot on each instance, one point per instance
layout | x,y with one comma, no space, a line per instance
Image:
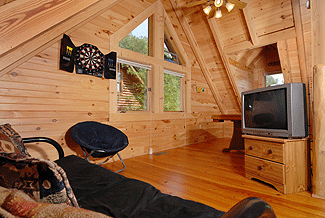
268,150
264,169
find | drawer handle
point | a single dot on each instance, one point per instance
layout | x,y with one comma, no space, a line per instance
260,168
270,151
250,148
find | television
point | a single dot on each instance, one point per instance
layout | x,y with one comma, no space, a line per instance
275,111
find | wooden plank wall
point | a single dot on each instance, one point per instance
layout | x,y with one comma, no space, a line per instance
40,100
318,61
206,43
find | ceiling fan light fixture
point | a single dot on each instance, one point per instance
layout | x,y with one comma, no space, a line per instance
218,13
229,6
218,3
207,9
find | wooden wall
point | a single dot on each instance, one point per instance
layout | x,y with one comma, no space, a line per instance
318,61
38,99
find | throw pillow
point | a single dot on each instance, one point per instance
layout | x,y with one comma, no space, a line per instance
10,140
43,180
17,203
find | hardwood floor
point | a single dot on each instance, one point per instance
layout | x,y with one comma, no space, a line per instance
201,172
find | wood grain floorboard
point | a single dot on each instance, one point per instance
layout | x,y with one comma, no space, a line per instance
201,172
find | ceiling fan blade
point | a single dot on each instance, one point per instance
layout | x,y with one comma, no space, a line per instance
212,12
238,4
191,4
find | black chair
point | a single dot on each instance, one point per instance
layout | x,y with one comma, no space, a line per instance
99,140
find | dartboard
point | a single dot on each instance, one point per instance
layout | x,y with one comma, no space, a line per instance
89,60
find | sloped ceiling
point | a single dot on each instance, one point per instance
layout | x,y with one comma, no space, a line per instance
239,36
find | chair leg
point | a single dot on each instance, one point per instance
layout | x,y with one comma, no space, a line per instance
122,163
87,158
87,155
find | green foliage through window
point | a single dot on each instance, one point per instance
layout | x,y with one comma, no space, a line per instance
172,92
134,43
137,40
274,79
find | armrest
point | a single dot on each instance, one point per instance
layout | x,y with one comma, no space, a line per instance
251,207
47,140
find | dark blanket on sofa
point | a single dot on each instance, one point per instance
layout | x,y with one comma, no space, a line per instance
99,189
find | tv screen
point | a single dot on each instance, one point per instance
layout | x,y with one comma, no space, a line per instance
266,110
276,111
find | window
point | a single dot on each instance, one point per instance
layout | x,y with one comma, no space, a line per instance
137,40
170,56
132,86
172,91
274,78
143,87
169,52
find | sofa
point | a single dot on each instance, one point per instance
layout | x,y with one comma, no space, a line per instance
71,185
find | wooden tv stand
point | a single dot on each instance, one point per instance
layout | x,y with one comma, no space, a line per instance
279,162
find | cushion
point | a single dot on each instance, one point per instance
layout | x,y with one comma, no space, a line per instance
98,136
10,140
43,180
15,203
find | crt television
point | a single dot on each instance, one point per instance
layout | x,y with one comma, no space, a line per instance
275,111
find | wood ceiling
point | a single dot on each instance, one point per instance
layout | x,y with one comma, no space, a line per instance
241,37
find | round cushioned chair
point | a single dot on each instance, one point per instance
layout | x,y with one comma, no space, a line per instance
99,140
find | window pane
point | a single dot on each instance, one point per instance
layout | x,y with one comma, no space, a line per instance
137,40
172,93
170,56
274,79
131,88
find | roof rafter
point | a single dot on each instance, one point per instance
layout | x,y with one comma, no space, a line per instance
199,56
225,59
47,34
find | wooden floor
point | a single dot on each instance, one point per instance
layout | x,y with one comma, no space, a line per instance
201,172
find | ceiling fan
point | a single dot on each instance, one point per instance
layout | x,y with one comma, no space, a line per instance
214,8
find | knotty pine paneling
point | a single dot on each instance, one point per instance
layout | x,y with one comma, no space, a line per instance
205,40
231,29
271,16
40,100
244,79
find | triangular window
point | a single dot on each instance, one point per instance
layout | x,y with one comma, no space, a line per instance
170,53
138,39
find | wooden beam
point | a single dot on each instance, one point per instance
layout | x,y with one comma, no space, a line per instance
157,49
300,41
225,59
32,19
284,60
229,49
22,51
255,53
190,36
318,61
262,41
249,18
277,36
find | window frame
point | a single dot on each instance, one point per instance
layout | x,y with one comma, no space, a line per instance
140,65
155,58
